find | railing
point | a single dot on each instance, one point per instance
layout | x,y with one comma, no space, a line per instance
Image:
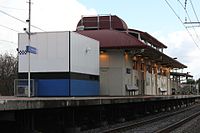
21,87
97,21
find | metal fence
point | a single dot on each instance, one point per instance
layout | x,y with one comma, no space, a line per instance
21,87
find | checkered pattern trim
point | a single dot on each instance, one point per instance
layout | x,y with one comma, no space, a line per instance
22,52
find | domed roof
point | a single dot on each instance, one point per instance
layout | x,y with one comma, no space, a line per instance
102,22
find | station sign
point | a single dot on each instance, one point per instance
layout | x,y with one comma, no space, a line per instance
31,49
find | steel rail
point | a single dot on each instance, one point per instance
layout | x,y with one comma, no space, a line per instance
144,122
177,124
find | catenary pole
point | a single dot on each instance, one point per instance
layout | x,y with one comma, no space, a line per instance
29,56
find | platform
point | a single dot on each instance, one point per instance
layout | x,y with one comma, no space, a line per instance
21,103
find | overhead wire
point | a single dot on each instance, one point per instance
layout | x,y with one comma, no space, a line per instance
8,46
9,28
5,13
194,11
10,8
20,20
182,24
185,9
7,41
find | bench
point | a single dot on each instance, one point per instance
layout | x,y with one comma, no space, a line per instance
163,90
131,89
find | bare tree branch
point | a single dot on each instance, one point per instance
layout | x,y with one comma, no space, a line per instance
8,72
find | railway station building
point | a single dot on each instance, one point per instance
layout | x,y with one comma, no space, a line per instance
132,62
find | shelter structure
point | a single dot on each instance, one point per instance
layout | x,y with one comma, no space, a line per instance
131,61
182,83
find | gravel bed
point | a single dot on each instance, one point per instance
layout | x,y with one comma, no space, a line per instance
141,118
154,126
192,126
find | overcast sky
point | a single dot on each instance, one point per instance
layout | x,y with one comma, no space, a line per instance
154,17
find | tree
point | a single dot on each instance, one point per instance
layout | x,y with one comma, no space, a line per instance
190,81
8,72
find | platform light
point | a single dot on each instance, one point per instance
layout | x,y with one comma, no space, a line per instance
134,58
142,60
126,55
102,51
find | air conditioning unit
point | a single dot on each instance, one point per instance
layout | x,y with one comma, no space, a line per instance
22,90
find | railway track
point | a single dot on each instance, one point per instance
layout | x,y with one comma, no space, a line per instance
178,124
159,124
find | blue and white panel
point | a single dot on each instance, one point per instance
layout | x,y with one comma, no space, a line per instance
56,55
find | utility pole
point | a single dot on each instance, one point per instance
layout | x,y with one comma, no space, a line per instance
29,50
29,56
192,24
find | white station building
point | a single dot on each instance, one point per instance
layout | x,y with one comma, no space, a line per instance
66,64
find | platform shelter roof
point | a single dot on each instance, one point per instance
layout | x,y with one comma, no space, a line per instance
149,38
113,39
178,74
113,33
161,58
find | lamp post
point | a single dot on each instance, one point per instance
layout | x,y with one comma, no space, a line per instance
29,50
29,43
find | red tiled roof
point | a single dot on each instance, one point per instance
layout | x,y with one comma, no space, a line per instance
108,31
113,39
150,39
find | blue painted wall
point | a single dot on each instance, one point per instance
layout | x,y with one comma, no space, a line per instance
60,87
84,88
52,87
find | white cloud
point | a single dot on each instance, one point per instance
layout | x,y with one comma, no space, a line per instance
181,45
60,15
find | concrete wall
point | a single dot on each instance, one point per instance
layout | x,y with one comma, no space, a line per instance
116,71
148,83
153,84
162,82
136,80
169,90
111,72
127,72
